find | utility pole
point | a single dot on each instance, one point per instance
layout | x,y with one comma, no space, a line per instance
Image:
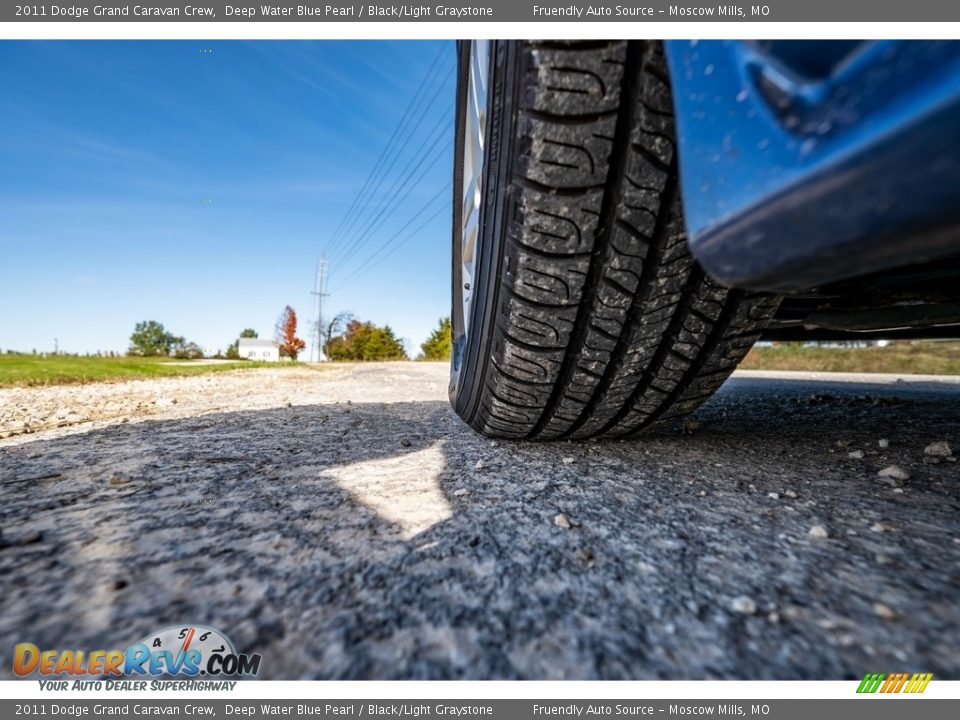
320,291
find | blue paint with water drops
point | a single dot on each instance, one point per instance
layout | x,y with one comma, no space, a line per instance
807,162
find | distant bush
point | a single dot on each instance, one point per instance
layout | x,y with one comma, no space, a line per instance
187,351
364,341
150,339
440,343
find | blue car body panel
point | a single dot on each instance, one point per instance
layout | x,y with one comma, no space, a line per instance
807,162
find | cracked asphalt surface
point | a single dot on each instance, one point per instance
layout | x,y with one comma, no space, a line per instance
345,524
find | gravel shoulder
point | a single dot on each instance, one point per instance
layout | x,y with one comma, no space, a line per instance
57,408
344,523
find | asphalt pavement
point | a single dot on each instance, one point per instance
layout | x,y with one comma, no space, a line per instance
359,530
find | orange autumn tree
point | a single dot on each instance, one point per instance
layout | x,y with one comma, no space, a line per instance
290,344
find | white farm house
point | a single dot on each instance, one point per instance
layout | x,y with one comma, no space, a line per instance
254,349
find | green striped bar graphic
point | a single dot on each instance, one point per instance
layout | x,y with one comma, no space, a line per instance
871,682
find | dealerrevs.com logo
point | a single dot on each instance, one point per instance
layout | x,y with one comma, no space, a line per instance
183,651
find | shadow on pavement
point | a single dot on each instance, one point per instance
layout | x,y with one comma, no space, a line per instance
390,541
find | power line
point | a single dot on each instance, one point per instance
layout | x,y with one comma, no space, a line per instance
436,133
360,271
373,206
398,195
400,200
390,153
389,241
387,149
398,246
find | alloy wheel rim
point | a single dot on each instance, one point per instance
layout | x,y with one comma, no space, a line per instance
473,157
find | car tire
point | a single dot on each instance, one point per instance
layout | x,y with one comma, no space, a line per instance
577,309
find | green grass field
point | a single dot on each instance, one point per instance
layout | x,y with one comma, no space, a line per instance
63,369
917,358
933,358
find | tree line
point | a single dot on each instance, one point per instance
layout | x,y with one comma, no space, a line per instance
343,338
347,339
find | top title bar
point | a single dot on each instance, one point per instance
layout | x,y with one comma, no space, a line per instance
487,10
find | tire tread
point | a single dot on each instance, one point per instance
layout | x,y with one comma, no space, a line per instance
606,326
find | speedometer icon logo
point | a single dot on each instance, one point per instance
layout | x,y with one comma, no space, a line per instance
189,650
180,640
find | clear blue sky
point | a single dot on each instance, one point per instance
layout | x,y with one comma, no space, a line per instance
196,183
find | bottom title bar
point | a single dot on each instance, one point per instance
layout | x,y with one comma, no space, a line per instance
874,708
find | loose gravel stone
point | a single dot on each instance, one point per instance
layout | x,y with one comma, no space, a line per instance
855,454
743,605
562,521
884,611
939,449
585,557
893,475
818,532
883,443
